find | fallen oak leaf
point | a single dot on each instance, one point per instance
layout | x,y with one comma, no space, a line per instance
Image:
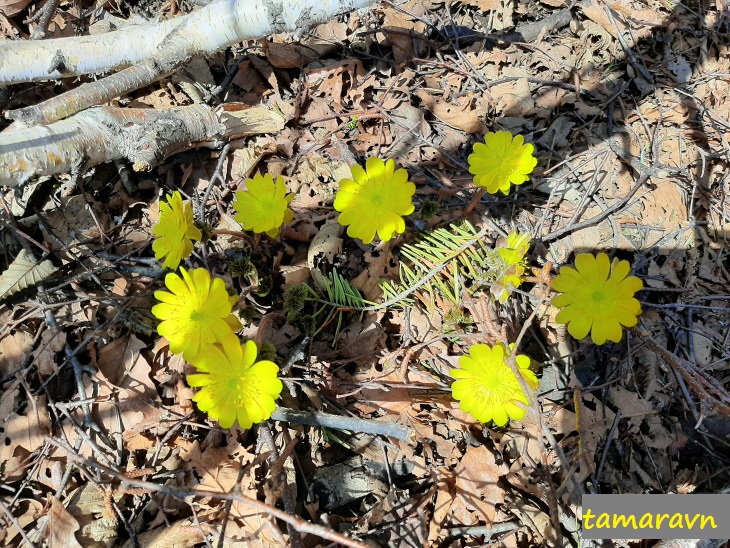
23,273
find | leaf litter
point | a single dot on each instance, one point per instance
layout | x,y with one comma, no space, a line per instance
420,82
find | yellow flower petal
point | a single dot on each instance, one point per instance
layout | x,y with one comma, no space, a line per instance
487,387
499,416
234,386
579,326
374,201
512,251
501,161
264,206
597,297
174,231
564,300
195,313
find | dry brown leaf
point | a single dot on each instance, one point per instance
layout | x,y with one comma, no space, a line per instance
594,423
324,247
444,499
410,129
122,364
15,348
220,471
642,21
381,265
239,120
332,30
646,423
25,271
294,55
362,338
181,534
405,45
630,403
246,159
484,5
26,431
670,112
310,180
26,512
10,8
513,98
246,78
62,526
52,341
461,116
664,208
502,17
88,505
477,488
330,81
399,404
77,220
127,400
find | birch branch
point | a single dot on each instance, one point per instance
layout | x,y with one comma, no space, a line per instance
144,137
150,52
208,30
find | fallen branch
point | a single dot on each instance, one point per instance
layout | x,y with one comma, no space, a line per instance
150,51
144,137
353,424
207,30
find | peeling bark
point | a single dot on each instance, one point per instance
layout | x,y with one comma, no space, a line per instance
206,31
144,137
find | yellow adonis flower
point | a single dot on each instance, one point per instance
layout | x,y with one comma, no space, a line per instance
175,231
197,312
264,205
512,250
501,161
234,385
487,388
375,200
597,297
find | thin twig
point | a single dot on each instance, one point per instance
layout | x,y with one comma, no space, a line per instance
299,524
295,539
555,234
217,175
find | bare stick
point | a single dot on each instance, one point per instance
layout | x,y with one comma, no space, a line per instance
317,418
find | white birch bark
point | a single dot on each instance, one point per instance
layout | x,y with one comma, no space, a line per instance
208,30
143,137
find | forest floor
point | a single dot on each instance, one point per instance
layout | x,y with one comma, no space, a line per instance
627,105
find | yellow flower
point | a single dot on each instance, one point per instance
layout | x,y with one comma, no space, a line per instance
512,250
487,388
501,160
235,385
175,231
264,206
597,296
375,200
196,314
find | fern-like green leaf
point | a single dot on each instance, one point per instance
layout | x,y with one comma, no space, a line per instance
450,260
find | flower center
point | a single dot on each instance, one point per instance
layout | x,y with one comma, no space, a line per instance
598,296
377,199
